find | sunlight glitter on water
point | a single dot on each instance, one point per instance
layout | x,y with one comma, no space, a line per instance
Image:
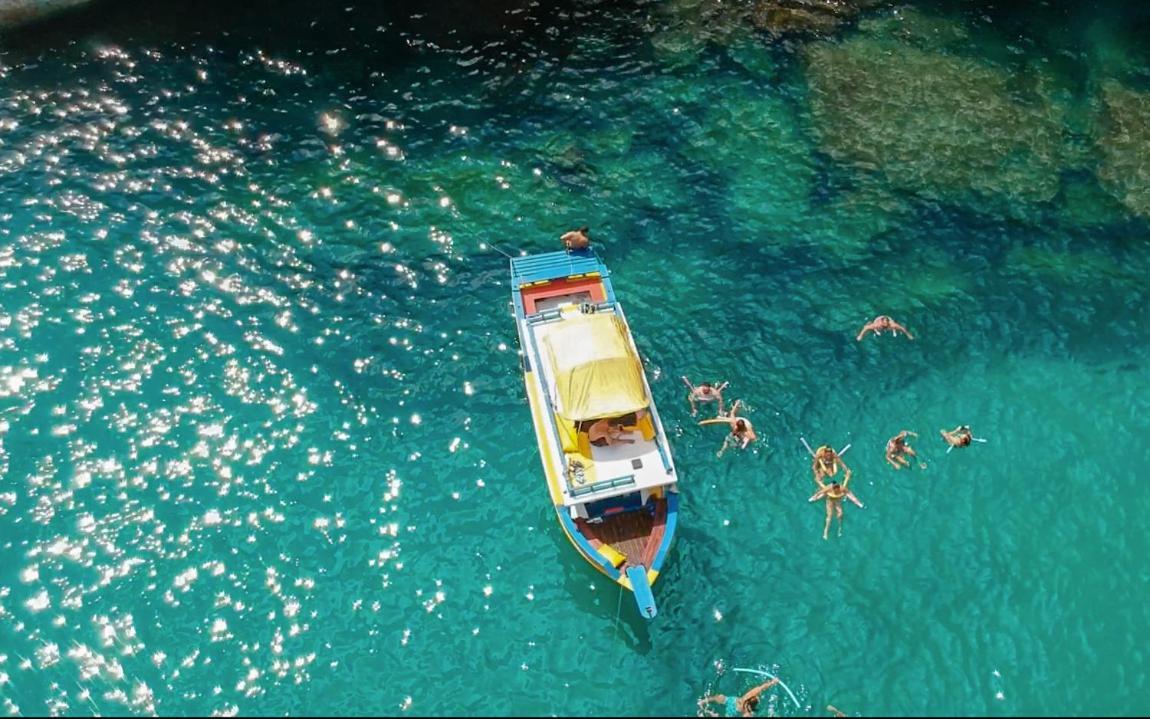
248,293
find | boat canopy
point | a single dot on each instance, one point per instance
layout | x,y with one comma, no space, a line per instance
597,373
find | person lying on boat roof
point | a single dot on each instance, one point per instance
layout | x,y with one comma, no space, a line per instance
744,705
706,392
576,239
742,432
607,431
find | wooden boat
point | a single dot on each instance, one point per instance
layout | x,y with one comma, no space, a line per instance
618,504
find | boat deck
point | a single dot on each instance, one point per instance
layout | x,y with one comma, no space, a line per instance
635,534
614,469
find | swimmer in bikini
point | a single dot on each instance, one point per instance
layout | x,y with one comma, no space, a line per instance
742,432
897,449
834,494
826,464
706,392
744,705
881,324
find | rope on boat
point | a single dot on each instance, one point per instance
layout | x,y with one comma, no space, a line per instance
768,675
618,609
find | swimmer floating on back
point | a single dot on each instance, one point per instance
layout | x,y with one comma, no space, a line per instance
960,436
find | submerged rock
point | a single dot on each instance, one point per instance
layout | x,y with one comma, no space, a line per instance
784,18
1076,268
941,125
19,12
752,142
1123,140
914,27
692,24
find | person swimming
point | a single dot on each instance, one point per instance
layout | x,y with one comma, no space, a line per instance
742,431
960,436
834,493
897,449
705,392
881,324
744,705
826,464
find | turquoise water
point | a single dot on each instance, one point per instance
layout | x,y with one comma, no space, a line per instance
264,444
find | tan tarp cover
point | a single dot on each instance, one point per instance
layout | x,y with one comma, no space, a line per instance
596,373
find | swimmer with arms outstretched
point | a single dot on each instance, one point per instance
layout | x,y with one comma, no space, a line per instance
744,705
742,432
881,324
826,464
705,392
834,493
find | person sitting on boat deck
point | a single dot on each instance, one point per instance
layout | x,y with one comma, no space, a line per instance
705,392
881,324
604,433
742,431
958,437
576,239
744,705
897,449
826,465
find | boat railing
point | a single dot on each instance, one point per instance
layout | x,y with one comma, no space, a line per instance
554,313
624,481
663,455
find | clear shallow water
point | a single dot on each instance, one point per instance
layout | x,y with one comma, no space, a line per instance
265,447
